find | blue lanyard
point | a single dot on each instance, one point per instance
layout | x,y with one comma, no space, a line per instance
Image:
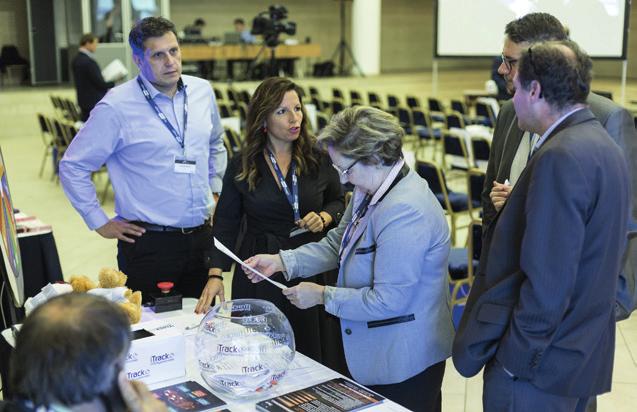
293,197
181,140
356,217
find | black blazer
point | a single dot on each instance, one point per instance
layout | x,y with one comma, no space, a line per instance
544,305
89,83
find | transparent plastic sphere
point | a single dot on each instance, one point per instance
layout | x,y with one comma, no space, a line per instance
244,347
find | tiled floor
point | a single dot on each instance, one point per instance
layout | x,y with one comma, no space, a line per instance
84,252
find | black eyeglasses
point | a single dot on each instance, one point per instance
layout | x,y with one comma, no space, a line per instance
508,62
345,172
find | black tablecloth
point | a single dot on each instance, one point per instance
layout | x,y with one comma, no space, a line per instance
40,266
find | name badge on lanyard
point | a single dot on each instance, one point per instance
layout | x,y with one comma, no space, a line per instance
291,195
185,166
182,165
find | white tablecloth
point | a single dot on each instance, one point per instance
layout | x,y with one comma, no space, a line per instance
303,371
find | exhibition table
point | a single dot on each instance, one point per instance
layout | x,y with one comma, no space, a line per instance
303,371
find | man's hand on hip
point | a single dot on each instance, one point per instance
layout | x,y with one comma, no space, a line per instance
119,229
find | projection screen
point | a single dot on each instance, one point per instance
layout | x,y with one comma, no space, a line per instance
475,28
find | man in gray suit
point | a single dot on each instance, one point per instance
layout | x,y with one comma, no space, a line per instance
540,316
511,145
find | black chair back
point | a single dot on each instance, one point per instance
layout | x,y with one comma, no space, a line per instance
429,172
413,102
458,106
454,119
484,110
337,106
435,105
355,97
481,149
392,101
475,186
404,118
374,100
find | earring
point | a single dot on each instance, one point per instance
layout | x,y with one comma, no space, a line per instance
265,128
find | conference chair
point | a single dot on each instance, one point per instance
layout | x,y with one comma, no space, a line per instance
454,203
436,109
475,184
218,94
463,263
337,106
455,119
242,109
46,133
485,111
234,140
413,102
404,119
233,98
481,149
426,132
224,110
374,100
322,120
454,147
244,96
393,101
459,106
355,98
337,93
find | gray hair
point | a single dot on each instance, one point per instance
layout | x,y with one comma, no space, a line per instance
364,133
70,350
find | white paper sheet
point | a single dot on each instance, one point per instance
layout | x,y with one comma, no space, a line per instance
234,257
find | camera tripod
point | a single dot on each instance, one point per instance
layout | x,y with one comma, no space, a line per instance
342,47
272,66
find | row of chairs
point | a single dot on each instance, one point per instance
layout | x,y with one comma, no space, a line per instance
56,135
455,204
65,109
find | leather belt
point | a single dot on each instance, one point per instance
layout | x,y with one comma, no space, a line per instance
159,228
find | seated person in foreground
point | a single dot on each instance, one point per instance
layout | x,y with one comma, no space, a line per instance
69,356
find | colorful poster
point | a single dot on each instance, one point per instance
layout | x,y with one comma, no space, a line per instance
9,240
188,396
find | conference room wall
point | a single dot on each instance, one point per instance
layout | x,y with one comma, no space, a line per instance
407,41
318,20
407,31
13,25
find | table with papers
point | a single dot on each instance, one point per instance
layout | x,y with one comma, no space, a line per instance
302,373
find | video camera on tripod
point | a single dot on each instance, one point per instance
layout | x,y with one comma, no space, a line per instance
272,23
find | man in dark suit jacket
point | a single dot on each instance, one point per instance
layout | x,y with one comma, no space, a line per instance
540,315
510,146
89,83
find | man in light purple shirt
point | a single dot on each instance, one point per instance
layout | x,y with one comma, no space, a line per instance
160,136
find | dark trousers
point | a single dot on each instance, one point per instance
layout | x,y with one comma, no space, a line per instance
418,393
503,393
166,256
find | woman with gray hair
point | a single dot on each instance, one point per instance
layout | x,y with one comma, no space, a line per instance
391,250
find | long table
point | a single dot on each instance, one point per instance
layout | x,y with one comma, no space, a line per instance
202,52
303,371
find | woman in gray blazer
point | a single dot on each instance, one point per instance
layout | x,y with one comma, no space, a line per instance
391,250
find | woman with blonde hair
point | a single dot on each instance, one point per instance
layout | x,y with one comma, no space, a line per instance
391,250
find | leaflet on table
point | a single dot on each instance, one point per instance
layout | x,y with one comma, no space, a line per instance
188,396
234,257
337,394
